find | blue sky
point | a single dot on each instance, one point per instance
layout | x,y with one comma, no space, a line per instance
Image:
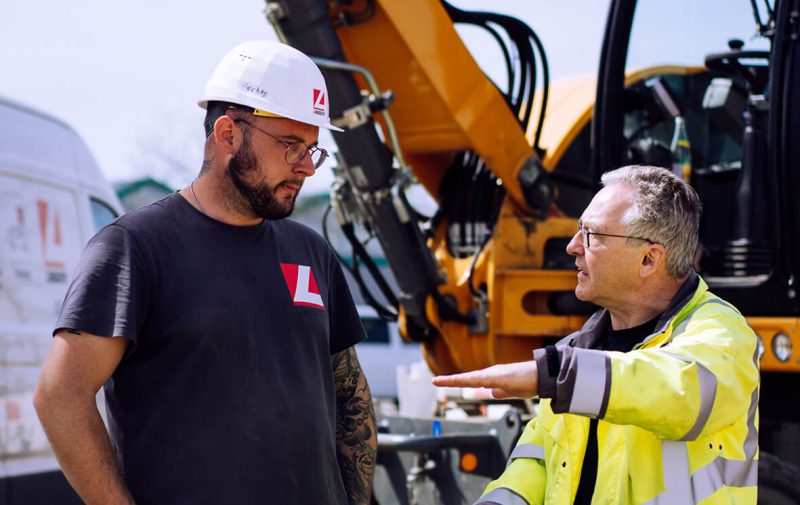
126,75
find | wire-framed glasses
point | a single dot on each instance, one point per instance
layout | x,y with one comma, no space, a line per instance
295,151
586,234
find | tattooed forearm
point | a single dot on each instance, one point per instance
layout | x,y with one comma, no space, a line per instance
356,434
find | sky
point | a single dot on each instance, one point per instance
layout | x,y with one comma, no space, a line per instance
127,75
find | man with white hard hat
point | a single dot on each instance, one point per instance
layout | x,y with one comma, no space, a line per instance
222,333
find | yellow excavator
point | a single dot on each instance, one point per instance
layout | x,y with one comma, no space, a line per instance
486,278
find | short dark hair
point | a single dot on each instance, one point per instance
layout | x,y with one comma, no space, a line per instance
217,109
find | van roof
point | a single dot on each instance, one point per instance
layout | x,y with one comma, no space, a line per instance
13,104
40,146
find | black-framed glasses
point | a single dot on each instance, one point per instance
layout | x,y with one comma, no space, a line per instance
585,234
295,151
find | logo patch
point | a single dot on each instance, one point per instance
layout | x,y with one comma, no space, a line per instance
302,285
319,101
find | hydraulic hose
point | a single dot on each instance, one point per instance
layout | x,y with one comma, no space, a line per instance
306,26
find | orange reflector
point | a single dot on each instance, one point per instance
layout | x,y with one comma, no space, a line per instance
469,462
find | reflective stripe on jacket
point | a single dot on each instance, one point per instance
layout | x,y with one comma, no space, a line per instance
678,415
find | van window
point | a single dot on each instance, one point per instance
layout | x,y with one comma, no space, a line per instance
377,331
102,214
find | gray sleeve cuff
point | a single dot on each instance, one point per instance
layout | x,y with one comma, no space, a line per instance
547,384
576,380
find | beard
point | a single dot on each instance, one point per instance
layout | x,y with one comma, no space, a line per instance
257,199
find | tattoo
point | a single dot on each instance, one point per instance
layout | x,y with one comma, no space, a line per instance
356,433
205,167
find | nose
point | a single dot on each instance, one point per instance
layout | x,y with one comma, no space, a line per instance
575,246
305,166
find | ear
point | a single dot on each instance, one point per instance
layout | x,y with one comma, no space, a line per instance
653,260
225,133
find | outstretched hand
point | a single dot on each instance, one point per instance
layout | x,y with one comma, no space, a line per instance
513,380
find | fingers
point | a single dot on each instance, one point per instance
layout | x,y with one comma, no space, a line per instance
496,376
461,380
471,380
513,380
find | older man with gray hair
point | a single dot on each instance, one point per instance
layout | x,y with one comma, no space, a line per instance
654,400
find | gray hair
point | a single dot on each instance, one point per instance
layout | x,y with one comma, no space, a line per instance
666,210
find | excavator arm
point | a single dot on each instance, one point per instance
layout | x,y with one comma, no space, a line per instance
470,281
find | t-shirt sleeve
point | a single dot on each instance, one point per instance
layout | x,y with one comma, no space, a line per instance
108,295
345,324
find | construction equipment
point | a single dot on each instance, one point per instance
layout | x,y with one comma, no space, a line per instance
486,279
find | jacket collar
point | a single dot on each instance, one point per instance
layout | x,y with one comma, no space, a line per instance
594,329
679,301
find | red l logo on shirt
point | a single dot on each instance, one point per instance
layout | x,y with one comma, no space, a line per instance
302,285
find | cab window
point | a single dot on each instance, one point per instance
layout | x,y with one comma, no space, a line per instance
102,213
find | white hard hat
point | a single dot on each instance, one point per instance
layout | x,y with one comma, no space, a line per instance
274,79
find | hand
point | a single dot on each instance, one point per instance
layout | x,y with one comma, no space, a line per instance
514,380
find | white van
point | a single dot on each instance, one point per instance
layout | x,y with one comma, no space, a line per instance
53,198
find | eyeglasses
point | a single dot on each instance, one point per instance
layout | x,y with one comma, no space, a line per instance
295,151
585,234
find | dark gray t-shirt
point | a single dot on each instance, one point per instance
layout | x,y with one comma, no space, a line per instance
226,393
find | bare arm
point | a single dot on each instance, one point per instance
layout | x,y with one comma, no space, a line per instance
513,380
356,433
74,370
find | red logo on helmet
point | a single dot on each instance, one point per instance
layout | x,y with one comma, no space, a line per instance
319,101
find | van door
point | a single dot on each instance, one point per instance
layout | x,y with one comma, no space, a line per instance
40,242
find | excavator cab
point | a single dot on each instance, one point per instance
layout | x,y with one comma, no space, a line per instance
725,106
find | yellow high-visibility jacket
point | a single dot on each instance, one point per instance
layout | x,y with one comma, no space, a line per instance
677,415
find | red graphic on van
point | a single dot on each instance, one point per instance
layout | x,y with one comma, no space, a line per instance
44,224
13,412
